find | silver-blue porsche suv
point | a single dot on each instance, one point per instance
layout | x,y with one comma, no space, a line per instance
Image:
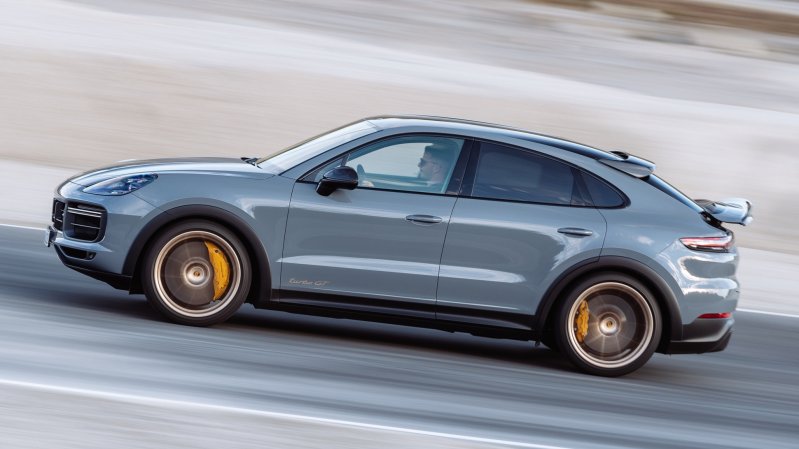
424,221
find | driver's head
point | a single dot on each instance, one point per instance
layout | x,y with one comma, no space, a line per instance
437,159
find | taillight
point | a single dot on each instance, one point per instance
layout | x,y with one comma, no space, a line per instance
714,244
716,316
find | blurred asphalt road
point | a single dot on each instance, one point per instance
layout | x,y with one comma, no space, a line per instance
83,365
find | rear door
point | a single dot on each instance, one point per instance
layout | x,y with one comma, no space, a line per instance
519,223
376,248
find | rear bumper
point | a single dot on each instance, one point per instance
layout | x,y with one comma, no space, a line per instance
703,335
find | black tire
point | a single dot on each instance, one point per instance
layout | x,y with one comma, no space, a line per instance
186,283
622,329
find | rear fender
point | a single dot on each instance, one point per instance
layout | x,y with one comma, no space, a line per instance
657,283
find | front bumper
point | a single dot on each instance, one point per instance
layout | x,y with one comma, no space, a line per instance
102,259
119,281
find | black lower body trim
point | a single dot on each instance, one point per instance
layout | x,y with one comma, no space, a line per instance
402,313
118,281
703,335
699,347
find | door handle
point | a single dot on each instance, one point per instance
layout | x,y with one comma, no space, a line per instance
580,232
423,219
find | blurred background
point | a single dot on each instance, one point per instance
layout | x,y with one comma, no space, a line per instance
708,89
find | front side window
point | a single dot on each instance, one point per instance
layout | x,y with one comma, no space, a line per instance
506,173
408,163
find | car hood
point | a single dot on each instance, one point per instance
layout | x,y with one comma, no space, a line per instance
198,165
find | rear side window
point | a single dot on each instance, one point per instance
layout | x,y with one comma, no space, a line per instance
602,195
505,173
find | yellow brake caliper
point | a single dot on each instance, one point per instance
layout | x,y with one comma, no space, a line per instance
581,322
221,269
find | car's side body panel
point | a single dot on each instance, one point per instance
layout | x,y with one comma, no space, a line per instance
338,244
501,256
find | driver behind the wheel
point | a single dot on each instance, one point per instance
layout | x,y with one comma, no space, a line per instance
436,163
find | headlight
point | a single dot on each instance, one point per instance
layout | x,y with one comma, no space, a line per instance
121,185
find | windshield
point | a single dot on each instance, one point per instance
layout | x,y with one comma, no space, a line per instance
307,149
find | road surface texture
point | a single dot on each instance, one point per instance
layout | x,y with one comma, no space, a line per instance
84,365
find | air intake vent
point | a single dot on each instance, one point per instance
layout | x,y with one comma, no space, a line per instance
58,214
84,222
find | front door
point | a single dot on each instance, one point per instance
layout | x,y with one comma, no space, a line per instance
378,247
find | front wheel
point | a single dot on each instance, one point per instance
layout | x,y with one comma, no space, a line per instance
197,273
609,325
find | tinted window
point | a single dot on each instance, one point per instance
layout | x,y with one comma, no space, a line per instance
602,195
506,173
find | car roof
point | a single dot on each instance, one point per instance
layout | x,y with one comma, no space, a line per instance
455,125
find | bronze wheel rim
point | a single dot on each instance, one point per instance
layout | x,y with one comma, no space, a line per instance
618,328
184,274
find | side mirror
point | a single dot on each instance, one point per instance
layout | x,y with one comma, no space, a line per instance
338,178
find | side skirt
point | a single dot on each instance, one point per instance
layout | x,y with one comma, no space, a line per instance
390,312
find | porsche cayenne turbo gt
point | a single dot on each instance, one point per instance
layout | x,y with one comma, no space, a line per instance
426,221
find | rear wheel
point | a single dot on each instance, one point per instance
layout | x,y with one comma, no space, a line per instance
197,273
609,325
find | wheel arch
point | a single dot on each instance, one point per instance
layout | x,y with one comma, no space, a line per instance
260,288
672,321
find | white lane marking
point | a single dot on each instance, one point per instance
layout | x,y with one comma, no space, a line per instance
144,400
763,312
39,228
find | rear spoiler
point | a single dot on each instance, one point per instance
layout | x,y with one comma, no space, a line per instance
730,210
632,165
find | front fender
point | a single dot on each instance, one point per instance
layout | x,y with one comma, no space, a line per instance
260,291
